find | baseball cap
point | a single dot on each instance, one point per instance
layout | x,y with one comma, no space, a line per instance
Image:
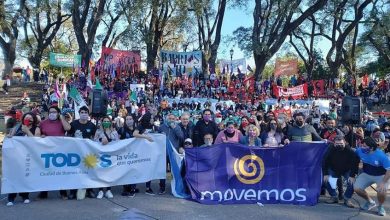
188,140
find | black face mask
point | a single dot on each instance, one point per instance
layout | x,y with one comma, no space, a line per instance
339,147
299,123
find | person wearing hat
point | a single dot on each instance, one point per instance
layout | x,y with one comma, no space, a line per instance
340,161
300,131
376,169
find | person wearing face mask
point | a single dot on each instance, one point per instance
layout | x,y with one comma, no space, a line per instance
273,136
28,128
300,131
229,135
187,127
339,162
379,138
376,169
175,135
386,132
126,132
208,140
330,131
244,124
106,134
82,128
252,138
204,126
55,125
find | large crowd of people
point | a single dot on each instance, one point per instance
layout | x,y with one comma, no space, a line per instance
200,112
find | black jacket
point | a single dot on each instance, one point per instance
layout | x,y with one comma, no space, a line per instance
200,129
340,161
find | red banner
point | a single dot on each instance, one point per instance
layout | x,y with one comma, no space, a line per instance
120,60
296,92
319,87
286,67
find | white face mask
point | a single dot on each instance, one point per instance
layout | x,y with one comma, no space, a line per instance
84,116
53,116
156,123
208,143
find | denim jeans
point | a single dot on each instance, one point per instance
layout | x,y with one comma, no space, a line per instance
348,192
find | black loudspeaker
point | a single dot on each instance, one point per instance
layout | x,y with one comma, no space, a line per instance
99,103
351,110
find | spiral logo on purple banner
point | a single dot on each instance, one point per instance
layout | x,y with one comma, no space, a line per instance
249,169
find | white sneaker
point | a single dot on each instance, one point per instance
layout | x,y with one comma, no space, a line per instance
26,201
100,195
10,203
109,194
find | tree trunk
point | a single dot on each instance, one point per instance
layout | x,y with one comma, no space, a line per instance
260,61
9,57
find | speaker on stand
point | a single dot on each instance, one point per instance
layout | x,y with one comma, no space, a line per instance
352,110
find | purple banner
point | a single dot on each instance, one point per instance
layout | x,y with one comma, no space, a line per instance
237,174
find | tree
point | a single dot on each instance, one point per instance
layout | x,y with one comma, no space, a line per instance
209,23
341,27
43,19
113,13
151,18
274,20
87,13
305,51
9,18
376,38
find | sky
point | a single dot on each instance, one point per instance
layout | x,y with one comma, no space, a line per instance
233,19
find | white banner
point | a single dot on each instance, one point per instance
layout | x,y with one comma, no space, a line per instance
43,164
227,64
133,87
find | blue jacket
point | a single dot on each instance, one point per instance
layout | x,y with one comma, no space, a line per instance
175,135
245,141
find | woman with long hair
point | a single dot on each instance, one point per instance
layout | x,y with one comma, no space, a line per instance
273,136
106,134
28,127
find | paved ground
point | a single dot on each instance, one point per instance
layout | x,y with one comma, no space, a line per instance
168,207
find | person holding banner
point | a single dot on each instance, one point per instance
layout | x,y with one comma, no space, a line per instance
252,138
55,125
300,131
28,127
203,127
376,169
273,136
340,161
126,132
229,135
105,135
145,127
82,128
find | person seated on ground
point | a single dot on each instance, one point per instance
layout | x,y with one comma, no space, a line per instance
229,135
273,136
340,161
28,128
208,140
376,169
252,138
